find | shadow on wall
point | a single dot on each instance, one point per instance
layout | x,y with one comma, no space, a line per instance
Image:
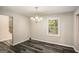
11,24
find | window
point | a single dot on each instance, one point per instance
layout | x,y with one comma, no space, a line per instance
53,26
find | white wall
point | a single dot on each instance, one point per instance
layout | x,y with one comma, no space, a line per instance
39,30
76,33
21,30
20,27
4,28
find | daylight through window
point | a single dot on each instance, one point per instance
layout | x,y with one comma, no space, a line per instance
53,26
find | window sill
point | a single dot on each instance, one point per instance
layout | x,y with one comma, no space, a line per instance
53,35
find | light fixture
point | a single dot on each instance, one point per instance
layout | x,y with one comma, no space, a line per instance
36,18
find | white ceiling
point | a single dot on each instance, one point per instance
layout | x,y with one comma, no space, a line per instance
43,10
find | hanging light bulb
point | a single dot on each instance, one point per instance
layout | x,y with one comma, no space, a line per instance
32,18
36,18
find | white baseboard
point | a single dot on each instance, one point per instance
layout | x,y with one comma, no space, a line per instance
20,42
57,44
47,42
53,42
4,40
76,50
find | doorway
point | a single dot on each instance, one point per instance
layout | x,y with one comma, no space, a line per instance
77,33
6,29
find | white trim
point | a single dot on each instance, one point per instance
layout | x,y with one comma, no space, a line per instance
76,49
57,18
20,42
75,29
4,40
53,43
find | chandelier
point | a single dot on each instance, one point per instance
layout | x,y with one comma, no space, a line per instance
36,18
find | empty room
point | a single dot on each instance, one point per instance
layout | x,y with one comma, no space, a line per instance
39,29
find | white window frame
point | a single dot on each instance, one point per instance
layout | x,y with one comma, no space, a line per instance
58,19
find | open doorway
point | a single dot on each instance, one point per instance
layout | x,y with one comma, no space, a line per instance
6,29
77,32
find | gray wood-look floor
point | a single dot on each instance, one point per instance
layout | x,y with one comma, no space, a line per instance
33,46
5,48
